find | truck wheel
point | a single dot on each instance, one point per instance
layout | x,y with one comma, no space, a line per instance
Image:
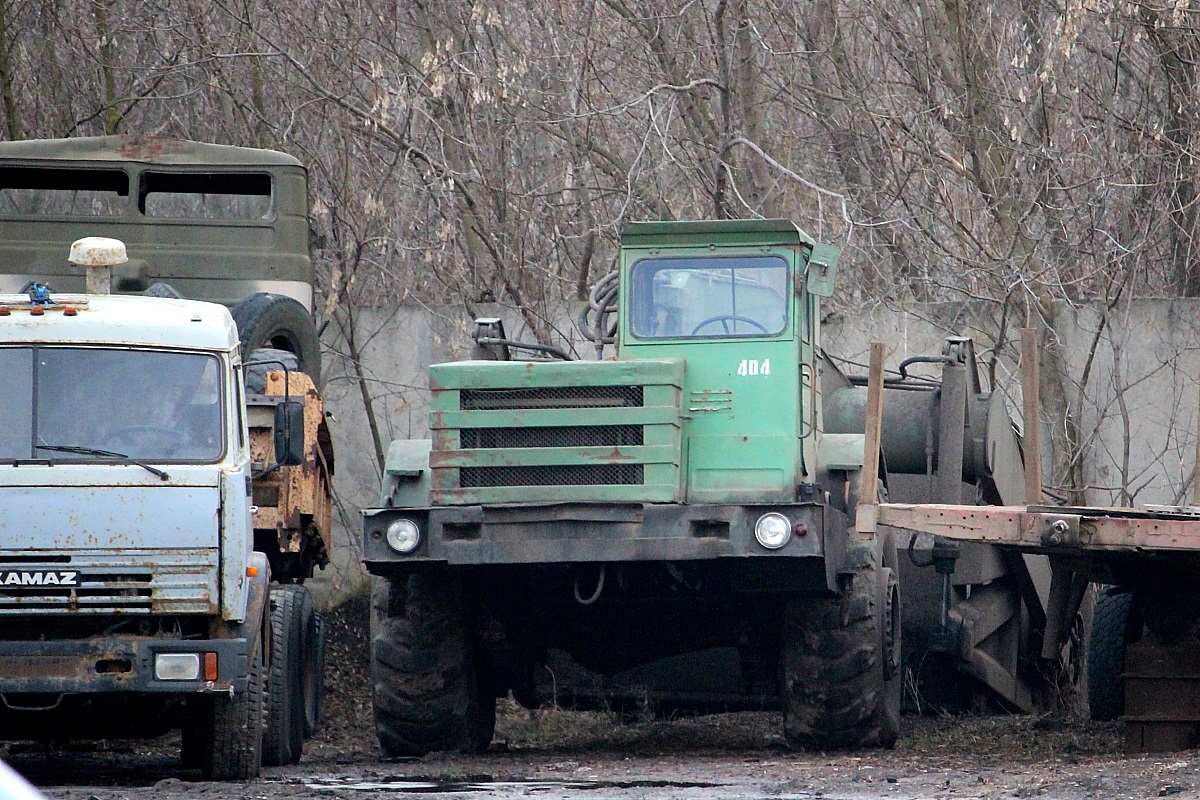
283,736
427,686
842,683
232,730
1115,624
280,322
313,677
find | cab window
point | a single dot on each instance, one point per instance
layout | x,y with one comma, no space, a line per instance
717,297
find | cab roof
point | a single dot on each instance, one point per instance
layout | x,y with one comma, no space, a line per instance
142,149
125,321
762,232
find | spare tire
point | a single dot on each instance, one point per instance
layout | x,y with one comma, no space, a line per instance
279,322
260,362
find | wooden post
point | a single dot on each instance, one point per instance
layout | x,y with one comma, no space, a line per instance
1196,468
1032,407
867,512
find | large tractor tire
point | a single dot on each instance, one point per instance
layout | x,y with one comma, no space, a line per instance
279,322
428,688
283,736
231,731
1115,625
840,657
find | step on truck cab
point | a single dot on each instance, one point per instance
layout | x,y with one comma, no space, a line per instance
133,599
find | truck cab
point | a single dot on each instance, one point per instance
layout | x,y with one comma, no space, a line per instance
131,598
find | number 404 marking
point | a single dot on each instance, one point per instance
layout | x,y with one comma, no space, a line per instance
750,366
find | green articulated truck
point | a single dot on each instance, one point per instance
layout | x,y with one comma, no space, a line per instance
675,527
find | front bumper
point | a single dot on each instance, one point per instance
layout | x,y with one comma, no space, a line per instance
116,664
556,533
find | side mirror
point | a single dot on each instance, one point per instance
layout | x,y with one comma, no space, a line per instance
822,268
289,433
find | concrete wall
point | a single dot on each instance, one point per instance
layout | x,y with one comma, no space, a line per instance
1139,410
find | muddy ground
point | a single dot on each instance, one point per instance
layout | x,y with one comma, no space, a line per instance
557,754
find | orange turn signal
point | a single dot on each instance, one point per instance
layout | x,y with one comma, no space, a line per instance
210,666
252,571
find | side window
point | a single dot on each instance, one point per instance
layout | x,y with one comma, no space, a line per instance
218,196
62,192
239,390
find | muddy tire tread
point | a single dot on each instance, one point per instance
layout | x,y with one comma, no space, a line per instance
283,733
313,679
233,731
835,694
427,689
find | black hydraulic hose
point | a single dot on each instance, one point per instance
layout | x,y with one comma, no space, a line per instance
922,360
538,348
601,302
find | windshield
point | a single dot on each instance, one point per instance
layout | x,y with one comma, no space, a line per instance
724,296
101,404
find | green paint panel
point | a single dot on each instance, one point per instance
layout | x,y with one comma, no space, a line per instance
549,456
741,468
646,493
524,374
555,417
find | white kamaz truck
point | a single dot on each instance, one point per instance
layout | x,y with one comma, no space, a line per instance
135,596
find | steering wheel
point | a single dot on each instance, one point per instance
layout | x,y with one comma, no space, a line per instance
146,437
724,320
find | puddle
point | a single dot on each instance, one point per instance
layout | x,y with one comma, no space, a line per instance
450,787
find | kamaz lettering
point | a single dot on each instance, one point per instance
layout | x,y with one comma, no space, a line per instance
38,578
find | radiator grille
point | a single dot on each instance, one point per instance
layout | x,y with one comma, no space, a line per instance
127,590
566,436
551,397
558,475
133,581
531,432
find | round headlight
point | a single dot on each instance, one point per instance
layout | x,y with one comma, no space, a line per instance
403,536
772,530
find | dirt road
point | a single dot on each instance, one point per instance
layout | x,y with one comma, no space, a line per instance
724,757
556,754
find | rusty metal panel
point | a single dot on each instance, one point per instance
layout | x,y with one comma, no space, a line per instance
1049,528
293,501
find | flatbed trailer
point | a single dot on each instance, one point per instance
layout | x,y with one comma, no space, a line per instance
1149,555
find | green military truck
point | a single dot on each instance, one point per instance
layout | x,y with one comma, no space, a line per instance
204,221
675,526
